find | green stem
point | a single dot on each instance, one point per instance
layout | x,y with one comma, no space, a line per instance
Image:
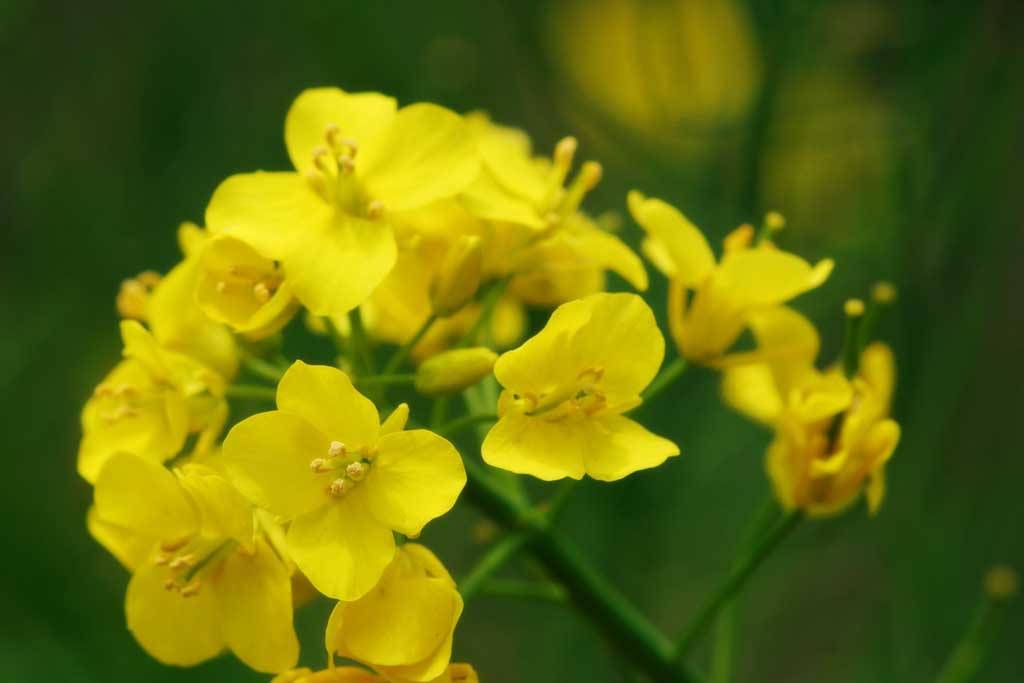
261,368
251,391
490,563
359,342
734,582
535,590
405,349
465,422
487,303
669,374
591,594
557,504
438,413
385,380
968,656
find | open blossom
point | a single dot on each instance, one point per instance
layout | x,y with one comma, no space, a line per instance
149,404
747,279
357,158
324,461
403,628
566,389
455,673
204,577
833,434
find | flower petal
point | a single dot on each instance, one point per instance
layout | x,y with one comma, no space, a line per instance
341,548
326,398
416,477
764,277
395,422
224,511
535,446
267,457
144,497
270,211
359,117
614,446
686,246
173,629
130,548
425,154
256,610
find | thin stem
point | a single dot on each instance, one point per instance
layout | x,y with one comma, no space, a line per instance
438,413
253,392
385,380
465,422
669,374
487,303
359,342
969,654
734,582
557,504
262,368
405,349
623,625
490,563
536,590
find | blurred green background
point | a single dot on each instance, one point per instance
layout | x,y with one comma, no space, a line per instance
890,134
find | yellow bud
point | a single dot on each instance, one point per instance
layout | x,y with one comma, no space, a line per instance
459,277
854,308
452,371
740,238
883,292
774,221
1001,583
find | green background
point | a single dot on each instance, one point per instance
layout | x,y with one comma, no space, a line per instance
119,119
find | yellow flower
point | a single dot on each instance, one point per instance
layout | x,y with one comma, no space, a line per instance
833,435
456,673
177,321
324,461
403,628
566,388
357,159
208,579
242,289
726,293
149,404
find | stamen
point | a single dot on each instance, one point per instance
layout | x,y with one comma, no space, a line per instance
355,470
170,585
172,546
331,133
585,181
339,487
565,150
347,164
191,589
375,209
261,292
316,182
161,560
318,464
222,287
182,562
320,159
335,449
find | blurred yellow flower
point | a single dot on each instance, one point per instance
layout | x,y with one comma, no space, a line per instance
725,294
833,435
357,159
324,461
208,578
149,404
456,673
242,289
403,628
566,388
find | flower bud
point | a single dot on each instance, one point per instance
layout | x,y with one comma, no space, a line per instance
452,371
459,277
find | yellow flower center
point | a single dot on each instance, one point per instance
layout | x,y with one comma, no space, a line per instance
584,397
345,468
249,283
188,560
334,177
126,401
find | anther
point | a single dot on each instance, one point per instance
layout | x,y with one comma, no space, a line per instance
222,287
565,150
170,585
353,146
375,209
320,157
335,449
317,464
191,589
261,292
171,546
590,175
161,560
355,470
346,164
339,487
182,562
331,133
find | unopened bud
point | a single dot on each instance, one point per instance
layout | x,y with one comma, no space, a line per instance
452,371
1001,583
854,308
774,220
459,277
883,292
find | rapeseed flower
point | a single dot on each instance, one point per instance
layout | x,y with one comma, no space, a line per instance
455,673
725,293
566,389
208,578
403,628
357,159
324,461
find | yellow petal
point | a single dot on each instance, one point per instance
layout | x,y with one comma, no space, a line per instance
751,390
271,211
535,446
416,477
486,198
424,154
224,511
129,547
326,398
171,628
686,246
395,422
614,446
256,610
339,262
878,368
341,548
268,456
506,152
143,496
426,561
764,277
360,117
606,251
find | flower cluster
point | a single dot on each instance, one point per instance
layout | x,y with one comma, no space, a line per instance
416,239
